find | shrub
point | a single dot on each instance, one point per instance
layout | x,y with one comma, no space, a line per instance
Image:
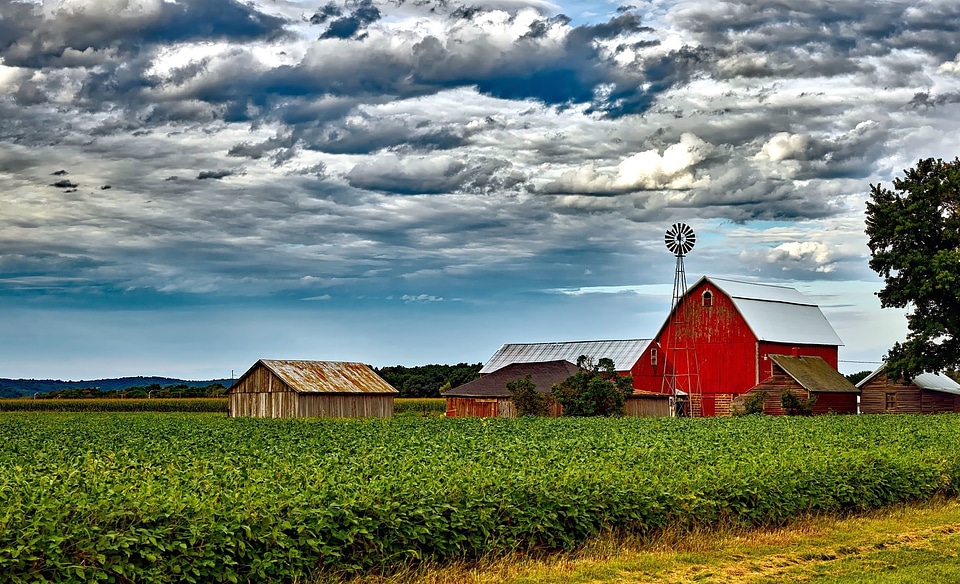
526,399
595,390
752,404
794,406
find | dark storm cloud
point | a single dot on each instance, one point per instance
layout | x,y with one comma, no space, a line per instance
28,39
529,68
348,26
329,11
811,38
215,174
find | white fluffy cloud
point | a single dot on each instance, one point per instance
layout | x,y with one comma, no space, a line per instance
784,146
645,171
796,255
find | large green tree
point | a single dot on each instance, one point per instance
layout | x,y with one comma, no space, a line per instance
914,233
594,390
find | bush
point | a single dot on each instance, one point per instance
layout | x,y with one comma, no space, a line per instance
527,400
752,404
595,390
794,406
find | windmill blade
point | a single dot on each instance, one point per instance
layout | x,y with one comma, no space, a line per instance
680,239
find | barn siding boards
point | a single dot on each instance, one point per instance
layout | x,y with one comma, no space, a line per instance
297,389
926,394
805,377
647,407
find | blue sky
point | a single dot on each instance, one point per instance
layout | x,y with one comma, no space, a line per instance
186,187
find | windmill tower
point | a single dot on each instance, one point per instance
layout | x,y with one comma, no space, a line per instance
681,377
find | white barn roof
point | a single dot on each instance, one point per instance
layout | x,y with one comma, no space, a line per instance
624,353
778,314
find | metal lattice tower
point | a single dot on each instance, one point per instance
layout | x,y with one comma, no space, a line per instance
681,375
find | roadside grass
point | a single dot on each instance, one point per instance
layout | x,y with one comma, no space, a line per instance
900,544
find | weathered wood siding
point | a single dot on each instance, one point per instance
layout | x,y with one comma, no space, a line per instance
827,402
344,406
272,404
264,395
646,407
488,407
906,399
469,407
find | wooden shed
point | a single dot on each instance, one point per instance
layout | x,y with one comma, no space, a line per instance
302,389
732,328
805,377
488,397
927,393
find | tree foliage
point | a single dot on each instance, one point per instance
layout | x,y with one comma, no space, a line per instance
526,399
914,233
594,390
428,380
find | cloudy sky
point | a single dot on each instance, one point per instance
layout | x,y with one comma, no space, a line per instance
188,186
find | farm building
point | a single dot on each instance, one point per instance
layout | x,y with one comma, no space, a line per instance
302,389
732,328
806,378
625,354
927,393
488,396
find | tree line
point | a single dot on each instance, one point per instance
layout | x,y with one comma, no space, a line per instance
154,390
428,380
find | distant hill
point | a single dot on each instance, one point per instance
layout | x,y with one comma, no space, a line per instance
12,388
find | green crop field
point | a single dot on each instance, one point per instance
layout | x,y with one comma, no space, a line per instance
199,497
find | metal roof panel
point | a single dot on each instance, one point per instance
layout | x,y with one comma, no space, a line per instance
768,292
782,322
937,382
625,353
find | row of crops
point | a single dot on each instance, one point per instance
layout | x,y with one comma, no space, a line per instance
200,497
214,404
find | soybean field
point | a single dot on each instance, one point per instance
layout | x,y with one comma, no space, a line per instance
199,497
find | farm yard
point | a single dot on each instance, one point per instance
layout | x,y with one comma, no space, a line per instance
199,497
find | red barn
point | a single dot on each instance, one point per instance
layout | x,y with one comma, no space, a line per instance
732,328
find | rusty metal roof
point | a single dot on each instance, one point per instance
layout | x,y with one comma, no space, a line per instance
814,374
624,353
327,376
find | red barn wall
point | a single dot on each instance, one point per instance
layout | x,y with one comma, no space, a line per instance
726,348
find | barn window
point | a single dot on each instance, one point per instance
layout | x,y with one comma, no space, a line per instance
707,299
653,357
891,401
